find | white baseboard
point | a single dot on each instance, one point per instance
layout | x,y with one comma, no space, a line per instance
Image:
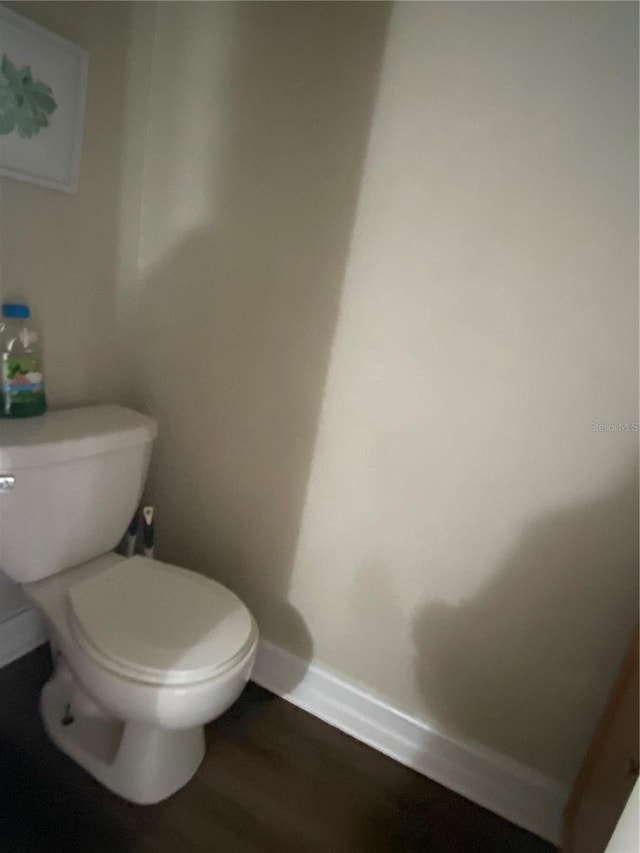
21,633
504,786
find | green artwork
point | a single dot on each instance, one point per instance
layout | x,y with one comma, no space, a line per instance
25,103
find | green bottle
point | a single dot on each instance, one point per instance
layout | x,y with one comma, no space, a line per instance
22,383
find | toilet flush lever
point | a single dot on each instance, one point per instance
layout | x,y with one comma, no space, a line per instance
7,482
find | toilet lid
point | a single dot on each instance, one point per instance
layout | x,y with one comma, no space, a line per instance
160,623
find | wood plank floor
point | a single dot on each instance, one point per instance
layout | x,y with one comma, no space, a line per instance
275,780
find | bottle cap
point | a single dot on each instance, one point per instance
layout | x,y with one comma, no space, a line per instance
13,309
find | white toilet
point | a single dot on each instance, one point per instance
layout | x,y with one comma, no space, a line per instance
145,653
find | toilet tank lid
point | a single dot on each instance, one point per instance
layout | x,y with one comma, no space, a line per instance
67,434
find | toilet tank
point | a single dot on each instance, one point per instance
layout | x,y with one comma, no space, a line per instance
70,482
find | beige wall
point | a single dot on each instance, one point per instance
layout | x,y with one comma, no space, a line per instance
258,123
469,545
455,537
375,316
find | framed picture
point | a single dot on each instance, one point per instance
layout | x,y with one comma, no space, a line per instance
43,80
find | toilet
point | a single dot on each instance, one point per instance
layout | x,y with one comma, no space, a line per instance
145,653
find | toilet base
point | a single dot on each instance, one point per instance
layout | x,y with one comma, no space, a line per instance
137,761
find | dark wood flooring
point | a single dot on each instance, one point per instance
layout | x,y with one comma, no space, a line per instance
275,780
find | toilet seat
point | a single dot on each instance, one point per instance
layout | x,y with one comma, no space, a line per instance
158,623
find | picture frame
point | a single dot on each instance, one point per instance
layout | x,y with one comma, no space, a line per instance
43,81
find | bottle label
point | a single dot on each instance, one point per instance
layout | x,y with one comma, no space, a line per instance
21,377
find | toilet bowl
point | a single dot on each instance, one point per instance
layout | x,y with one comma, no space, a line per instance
145,653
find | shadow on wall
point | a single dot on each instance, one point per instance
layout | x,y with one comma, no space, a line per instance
526,665
228,333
